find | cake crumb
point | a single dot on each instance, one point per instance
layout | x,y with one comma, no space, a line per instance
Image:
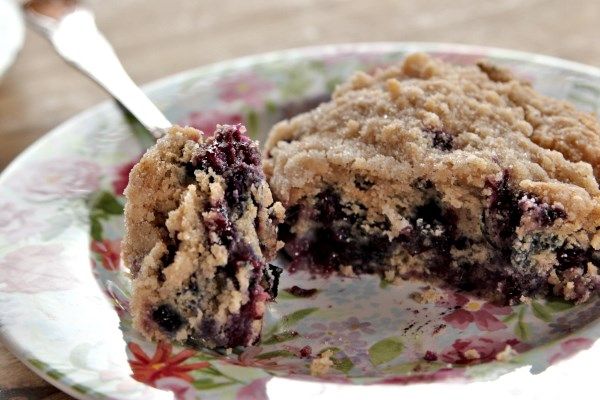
592,269
347,270
472,354
320,366
426,296
525,299
553,279
389,275
507,354
595,242
569,290
278,210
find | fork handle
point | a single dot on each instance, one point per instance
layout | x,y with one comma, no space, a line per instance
72,31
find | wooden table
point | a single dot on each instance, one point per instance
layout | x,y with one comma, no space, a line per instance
156,38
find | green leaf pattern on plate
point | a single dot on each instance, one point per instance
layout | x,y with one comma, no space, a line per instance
385,350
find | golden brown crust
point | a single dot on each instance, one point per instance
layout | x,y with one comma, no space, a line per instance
380,125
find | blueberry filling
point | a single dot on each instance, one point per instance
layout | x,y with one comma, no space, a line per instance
431,227
168,258
542,213
502,215
193,285
505,209
284,233
240,253
441,140
221,225
462,243
206,329
239,327
234,157
328,207
342,237
422,184
569,256
167,318
363,183
263,286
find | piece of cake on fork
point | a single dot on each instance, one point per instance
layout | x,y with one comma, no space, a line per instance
201,227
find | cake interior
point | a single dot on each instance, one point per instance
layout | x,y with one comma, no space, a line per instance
509,252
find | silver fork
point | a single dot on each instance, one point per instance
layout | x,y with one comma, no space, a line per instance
71,29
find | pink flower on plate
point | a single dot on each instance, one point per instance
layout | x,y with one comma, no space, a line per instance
207,121
329,334
15,222
182,389
570,347
468,311
360,358
53,179
352,343
475,350
354,325
247,87
109,251
121,178
33,269
345,335
255,390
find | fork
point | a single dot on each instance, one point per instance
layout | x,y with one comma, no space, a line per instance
72,31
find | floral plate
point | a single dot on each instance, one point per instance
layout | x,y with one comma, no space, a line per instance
64,296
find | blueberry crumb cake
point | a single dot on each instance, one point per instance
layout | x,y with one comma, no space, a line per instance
201,226
461,175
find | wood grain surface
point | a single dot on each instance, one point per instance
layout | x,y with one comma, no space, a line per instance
156,38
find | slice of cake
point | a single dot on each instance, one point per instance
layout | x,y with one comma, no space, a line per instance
201,226
460,174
